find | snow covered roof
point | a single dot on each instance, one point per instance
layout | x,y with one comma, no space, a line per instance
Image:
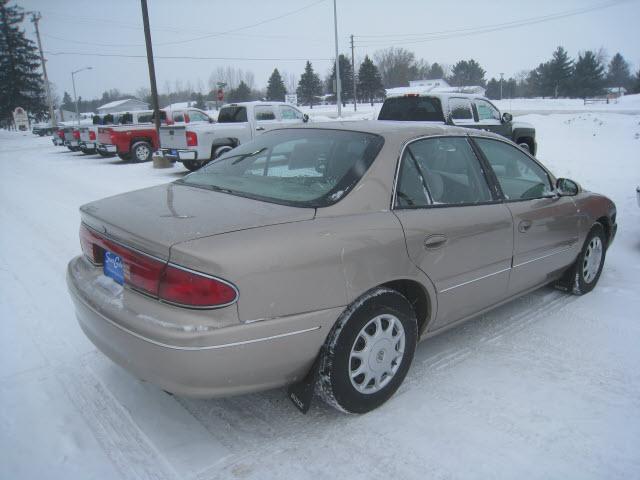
439,92
119,103
433,83
179,105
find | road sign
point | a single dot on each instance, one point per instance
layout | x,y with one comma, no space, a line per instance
21,119
291,98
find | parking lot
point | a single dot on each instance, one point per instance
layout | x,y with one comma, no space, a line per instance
547,386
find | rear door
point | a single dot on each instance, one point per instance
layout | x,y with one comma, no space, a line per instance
265,118
461,112
545,224
457,230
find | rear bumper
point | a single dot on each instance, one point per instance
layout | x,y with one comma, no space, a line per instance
106,148
88,145
232,360
57,141
179,155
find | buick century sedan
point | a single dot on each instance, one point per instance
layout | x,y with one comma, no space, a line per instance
323,254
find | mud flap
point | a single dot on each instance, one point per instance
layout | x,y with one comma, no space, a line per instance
301,393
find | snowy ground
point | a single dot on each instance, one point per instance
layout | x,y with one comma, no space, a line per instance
547,386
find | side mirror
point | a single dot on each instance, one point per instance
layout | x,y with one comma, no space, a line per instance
506,117
567,188
305,118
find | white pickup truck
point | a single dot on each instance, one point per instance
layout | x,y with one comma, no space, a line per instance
195,145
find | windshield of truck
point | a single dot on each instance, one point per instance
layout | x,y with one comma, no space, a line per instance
298,167
232,115
412,109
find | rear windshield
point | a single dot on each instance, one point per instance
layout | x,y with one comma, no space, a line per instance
232,115
298,167
412,109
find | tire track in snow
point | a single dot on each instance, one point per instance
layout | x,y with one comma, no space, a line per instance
122,441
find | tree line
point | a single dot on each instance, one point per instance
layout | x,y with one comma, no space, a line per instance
588,75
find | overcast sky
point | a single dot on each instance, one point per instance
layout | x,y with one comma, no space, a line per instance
115,27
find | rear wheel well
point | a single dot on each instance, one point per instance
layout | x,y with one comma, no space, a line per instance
418,298
140,139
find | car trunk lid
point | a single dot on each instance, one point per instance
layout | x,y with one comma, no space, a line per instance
153,219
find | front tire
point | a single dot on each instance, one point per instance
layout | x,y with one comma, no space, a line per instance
368,352
588,266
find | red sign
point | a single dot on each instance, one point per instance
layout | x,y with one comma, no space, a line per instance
220,95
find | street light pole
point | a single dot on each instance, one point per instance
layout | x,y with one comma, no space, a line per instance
501,77
335,28
75,97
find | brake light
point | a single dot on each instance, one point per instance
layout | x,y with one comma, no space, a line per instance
76,134
170,283
92,135
192,139
411,95
61,134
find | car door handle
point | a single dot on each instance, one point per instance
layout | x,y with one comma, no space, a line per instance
435,241
524,226
259,129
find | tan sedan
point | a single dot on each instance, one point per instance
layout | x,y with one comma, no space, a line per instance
318,256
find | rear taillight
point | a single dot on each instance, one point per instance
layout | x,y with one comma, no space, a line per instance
169,283
192,139
193,289
92,135
76,134
61,134
112,137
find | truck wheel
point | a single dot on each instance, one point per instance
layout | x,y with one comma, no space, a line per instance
193,165
217,151
368,351
124,156
141,152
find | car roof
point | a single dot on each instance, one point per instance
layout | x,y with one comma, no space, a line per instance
425,92
396,129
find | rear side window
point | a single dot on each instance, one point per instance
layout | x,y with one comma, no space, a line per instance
232,115
415,109
265,113
145,118
519,176
441,171
460,109
178,117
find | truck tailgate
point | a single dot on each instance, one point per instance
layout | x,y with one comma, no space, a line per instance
173,137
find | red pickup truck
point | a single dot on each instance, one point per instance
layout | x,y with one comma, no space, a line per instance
138,139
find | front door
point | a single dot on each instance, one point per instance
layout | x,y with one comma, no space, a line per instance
489,118
545,224
456,231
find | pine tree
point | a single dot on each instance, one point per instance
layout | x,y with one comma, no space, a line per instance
309,86
493,89
559,71
242,93
435,72
346,79
369,81
20,82
588,76
276,90
67,102
467,73
618,74
635,83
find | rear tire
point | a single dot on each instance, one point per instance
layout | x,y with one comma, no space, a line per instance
368,352
141,152
193,165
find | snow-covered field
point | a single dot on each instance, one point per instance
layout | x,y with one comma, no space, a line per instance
547,386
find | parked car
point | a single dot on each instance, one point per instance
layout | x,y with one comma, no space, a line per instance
325,252
196,144
58,137
461,109
42,129
136,138
89,133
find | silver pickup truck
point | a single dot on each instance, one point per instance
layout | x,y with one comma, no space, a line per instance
196,145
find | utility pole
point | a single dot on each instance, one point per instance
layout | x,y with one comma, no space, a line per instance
152,69
353,71
35,18
501,77
338,92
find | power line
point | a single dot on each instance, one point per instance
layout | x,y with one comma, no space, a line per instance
406,38
186,57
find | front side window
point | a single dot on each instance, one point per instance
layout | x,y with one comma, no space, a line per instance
301,167
486,111
460,109
289,113
440,171
265,113
412,109
196,116
520,177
